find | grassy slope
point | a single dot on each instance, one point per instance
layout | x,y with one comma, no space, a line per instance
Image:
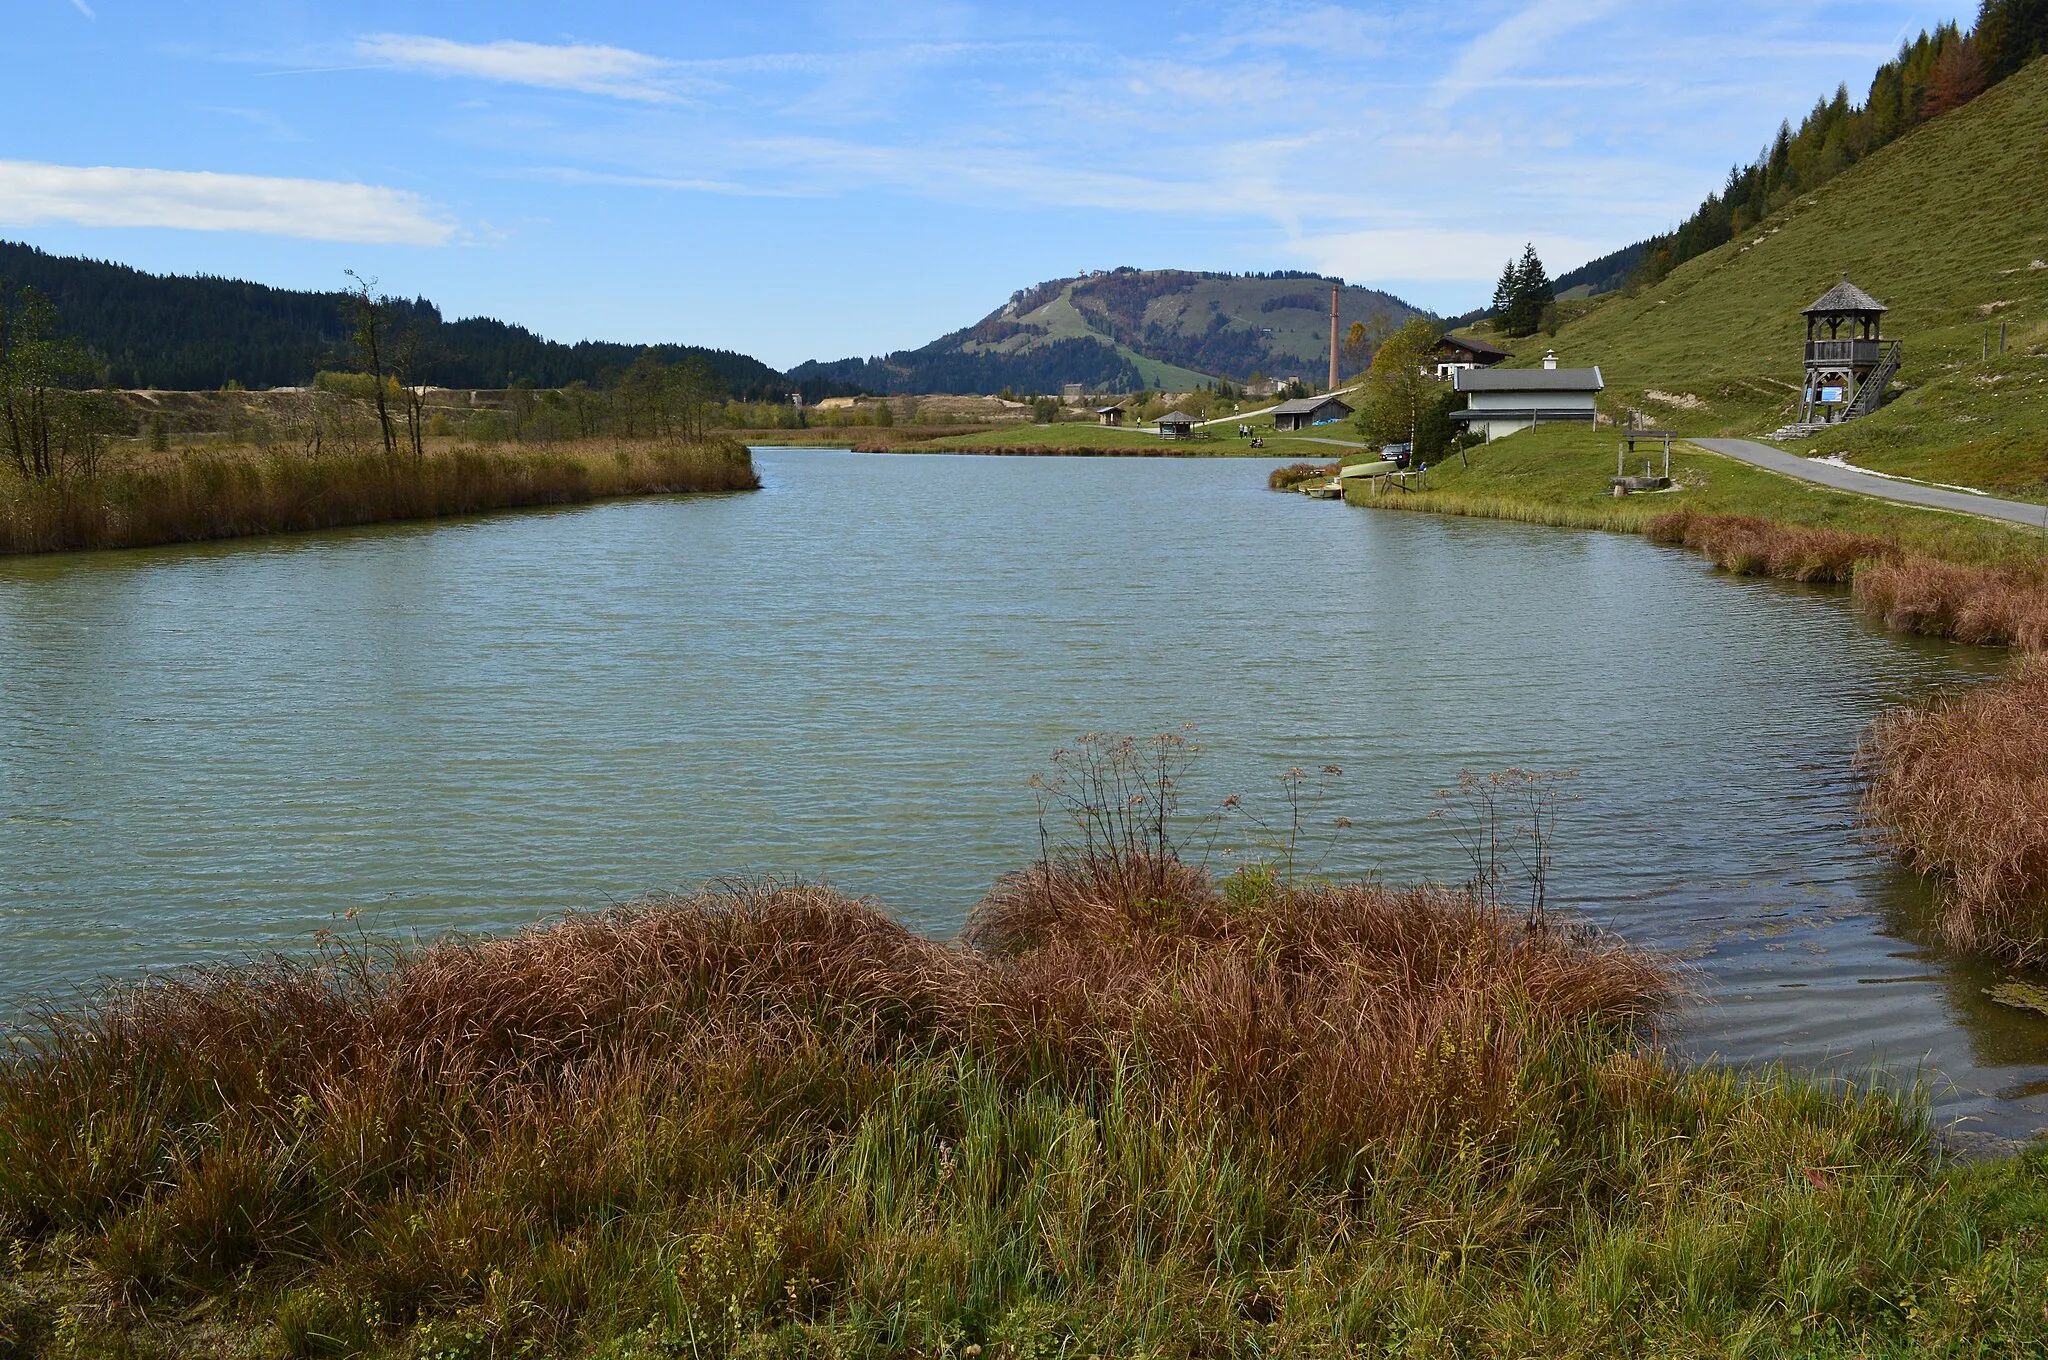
1063,321
1943,226
1559,475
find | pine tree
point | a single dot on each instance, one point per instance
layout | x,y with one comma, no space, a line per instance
1504,295
1522,295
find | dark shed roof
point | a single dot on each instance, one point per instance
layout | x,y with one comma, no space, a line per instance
1477,348
1845,297
1176,418
1308,406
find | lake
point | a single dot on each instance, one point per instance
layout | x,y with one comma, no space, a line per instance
852,674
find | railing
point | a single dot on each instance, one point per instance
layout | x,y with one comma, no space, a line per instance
1855,353
1870,395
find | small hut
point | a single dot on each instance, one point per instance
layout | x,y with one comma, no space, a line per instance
1177,425
1305,412
1110,415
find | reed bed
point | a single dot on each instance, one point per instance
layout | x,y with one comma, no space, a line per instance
1992,606
2000,606
1294,474
238,493
1133,1112
1751,546
1961,785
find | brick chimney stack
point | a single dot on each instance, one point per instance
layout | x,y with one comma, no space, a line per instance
1335,289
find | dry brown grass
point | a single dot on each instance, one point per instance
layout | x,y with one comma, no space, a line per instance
1342,1014
1135,1112
1332,1015
238,493
1961,784
1751,546
1993,606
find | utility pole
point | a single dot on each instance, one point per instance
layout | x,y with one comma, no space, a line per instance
1335,289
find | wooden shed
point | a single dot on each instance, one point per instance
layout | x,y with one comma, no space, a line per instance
1303,412
1177,425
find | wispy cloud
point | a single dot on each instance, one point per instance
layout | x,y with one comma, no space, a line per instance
310,209
1324,29
615,72
1430,255
85,9
1513,43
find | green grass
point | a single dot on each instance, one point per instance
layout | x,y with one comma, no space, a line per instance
1559,475
1159,1118
1943,226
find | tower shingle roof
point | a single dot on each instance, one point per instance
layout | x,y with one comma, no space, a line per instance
1845,297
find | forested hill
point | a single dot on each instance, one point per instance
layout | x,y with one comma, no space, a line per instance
1123,329
196,333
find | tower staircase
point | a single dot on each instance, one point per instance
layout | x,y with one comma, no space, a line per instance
1869,396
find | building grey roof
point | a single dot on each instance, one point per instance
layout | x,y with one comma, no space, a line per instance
1475,347
1176,418
1845,297
1307,406
1530,380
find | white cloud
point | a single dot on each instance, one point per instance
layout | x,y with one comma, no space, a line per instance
1433,255
311,209
1512,43
85,9
612,71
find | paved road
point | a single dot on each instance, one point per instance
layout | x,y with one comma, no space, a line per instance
1847,479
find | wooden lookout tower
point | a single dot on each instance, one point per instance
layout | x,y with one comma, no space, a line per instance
1849,363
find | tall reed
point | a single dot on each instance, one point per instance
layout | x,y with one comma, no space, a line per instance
1993,606
1961,785
233,494
1751,546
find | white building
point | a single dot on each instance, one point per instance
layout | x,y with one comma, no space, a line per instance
1503,400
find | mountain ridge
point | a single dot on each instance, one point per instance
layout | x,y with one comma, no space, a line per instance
1124,329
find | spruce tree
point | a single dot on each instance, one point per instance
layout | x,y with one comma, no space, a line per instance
1533,293
1504,296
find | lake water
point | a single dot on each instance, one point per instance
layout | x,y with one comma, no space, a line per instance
852,674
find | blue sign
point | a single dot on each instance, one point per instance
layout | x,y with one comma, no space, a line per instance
1831,394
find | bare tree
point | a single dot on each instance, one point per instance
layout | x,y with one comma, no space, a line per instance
411,352
369,313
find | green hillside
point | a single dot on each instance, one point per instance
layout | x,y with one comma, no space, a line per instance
1948,225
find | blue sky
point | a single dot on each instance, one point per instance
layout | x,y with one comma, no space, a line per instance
818,180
